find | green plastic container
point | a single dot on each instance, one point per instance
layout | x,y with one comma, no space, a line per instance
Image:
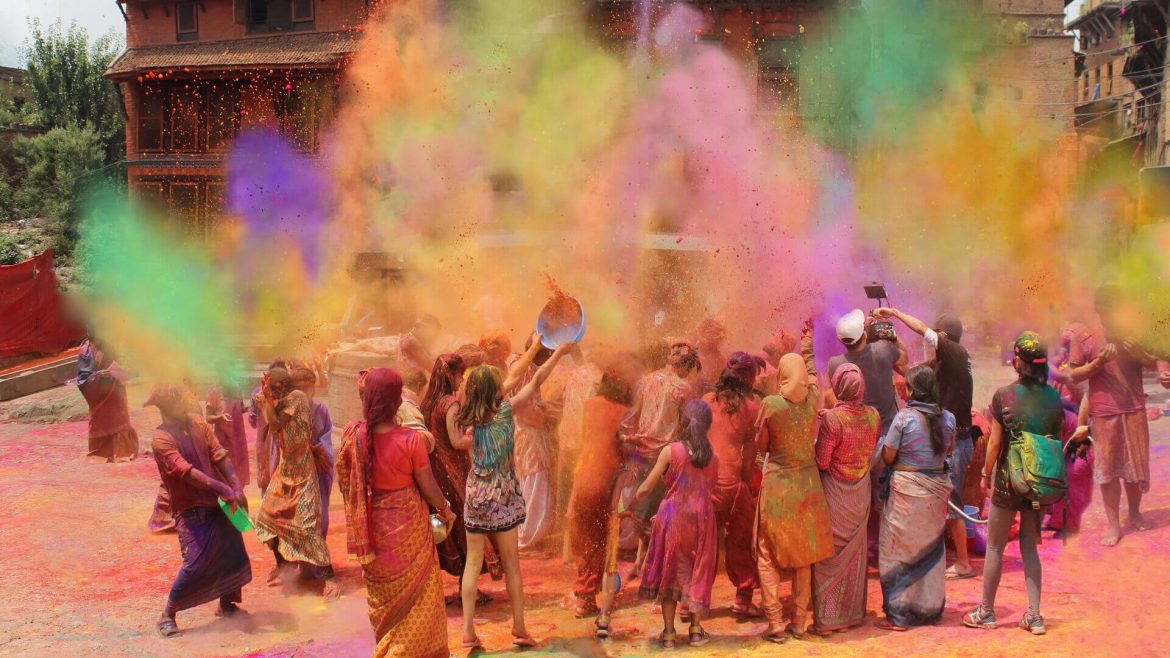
239,519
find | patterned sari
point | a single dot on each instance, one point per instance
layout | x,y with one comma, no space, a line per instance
912,558
291,511
389,533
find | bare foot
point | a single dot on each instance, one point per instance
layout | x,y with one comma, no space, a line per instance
1111,538
1139,522
332,590
274,576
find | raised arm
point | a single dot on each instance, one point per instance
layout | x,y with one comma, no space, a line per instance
516,372
810,364
912,323
542,373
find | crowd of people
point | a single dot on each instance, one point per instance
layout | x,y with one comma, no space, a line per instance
807,476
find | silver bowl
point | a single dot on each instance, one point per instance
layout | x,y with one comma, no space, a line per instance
439,530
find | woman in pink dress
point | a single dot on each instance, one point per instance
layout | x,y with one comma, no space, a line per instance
683,550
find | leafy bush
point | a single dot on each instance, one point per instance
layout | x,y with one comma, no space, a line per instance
10,251
53,170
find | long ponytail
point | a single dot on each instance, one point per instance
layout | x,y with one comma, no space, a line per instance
923,385
697,421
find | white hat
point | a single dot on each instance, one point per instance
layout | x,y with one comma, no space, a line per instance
851,326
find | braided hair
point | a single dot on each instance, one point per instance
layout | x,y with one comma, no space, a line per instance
696,422
923,387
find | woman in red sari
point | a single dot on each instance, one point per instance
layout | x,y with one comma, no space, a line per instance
384,477
440,408
103,385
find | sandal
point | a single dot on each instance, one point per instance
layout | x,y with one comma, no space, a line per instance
585,609
523,641
776,637
887,625
698,637
602,624
168,628
667,640
684,615
953,574
473,643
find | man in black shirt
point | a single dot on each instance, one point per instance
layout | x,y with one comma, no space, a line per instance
952,367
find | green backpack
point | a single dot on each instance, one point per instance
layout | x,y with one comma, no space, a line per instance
1036,468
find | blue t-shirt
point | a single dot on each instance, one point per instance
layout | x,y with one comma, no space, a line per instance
910,435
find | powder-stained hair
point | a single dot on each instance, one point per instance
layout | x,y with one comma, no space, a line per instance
481,396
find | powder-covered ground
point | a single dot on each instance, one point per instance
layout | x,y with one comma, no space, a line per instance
83,577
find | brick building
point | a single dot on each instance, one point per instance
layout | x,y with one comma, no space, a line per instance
197,73
1037,63
1119,78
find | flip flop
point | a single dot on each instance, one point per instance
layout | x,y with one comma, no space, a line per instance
168,628
887,625
778,637
523,641
953,574
473,643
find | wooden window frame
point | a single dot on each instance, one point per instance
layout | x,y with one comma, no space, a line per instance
180,33
303,19
161,92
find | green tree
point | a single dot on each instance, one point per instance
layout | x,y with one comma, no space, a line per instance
55,168
65,77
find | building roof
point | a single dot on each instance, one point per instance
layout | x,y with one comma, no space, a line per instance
287,50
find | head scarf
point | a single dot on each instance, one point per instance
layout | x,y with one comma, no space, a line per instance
780,343
381,397
743,366
381,394
711,331
950,325
472,355
848,384
684,355
793,378
497,346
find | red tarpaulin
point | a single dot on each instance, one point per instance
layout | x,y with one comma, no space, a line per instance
32,311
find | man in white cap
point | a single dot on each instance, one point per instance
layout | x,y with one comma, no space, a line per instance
877,362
